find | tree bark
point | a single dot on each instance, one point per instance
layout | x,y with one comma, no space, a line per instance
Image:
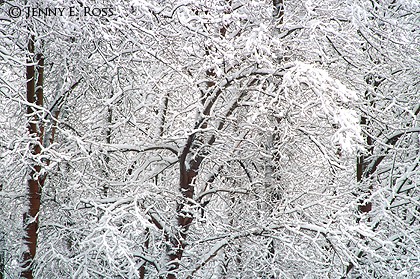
35,182
185,216
362,171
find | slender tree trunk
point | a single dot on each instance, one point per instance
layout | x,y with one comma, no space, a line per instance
185,216
364,207
142,271
189,169
108,137
35,182
361,173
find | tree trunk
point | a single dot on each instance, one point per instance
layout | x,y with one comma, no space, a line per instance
34,95
185,216
362,173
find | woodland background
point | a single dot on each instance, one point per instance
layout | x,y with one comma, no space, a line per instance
211,139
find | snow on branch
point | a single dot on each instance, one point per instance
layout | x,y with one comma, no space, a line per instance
332,97
135,148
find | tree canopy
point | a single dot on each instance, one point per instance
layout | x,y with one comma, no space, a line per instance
209,139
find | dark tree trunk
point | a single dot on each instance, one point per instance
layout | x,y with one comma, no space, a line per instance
34,95
364,207
362,172
185,216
